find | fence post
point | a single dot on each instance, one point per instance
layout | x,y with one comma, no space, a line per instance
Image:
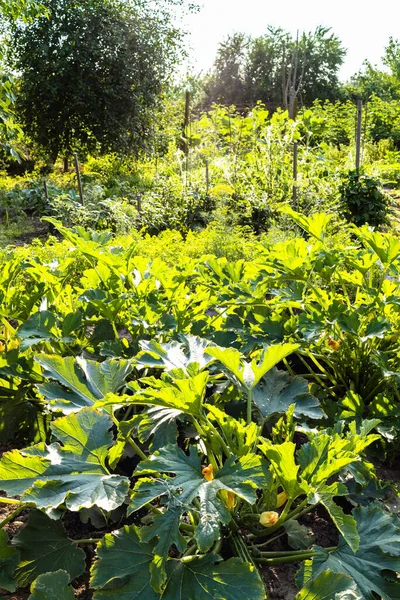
295,154
46,191
207,177
186,124
78,176
358,134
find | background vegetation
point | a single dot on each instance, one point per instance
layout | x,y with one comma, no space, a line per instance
199,312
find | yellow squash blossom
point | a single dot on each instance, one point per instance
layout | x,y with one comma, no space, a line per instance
334,344
269,518
229,499
208,473
281,499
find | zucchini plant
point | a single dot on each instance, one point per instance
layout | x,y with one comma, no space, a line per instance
199,457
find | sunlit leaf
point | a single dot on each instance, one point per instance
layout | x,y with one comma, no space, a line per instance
52,586
74,473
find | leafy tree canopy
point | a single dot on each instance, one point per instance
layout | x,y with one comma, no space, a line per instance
385,84
92,72
247,70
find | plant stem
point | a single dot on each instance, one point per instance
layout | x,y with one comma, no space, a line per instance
249,403
269,541
299,509
289,368
87,541
12,501
210,453
131,441
136,448
14,514
285,516
191,550
224,446
285,559
186,527
284,553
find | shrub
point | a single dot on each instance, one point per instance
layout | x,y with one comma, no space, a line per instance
363,200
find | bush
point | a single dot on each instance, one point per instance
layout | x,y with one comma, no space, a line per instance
363,200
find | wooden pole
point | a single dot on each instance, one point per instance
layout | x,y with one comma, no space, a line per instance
207,177
46,191
186,123
295,155
78,176
358,134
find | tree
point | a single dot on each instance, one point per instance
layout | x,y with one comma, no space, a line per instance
10,132
321,55
226,84
21,9
274,68
392,57
264,67
92,73
372,81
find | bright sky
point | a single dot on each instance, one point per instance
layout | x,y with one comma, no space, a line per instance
363,27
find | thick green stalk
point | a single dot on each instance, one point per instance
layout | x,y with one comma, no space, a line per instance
224,446
249,403
210,453
136,448
14,514
285,516
191,550
315,375
186,527
320,366
270,540
285,559
131,441
12,501
87,541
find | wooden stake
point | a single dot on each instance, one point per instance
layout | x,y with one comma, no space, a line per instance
78,176
358,134
186,123
207,177
46,192
295,152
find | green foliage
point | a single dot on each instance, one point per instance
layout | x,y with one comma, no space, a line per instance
329,585
379,534
74,474
249,70
213,401
52,586
363,200
43,545
9,559
123,553
63,108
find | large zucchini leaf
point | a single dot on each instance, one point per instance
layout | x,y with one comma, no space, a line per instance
370,566
73,473
122,571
